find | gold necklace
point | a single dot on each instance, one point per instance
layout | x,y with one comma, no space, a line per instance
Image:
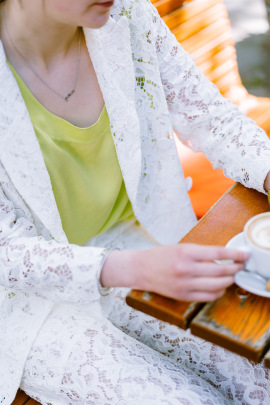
71,92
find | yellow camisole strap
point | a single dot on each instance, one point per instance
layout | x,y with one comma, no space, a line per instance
82,163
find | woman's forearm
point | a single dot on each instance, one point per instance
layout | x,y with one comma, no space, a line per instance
185,271
122,269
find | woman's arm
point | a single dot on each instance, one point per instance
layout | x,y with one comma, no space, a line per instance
68,272
205,120
184,272
52,270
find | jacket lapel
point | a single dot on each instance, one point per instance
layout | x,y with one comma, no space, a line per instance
21,156
111,55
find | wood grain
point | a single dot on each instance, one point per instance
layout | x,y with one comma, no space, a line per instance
228,216
238,321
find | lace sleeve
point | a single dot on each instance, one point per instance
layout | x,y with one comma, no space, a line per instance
203,119
52,270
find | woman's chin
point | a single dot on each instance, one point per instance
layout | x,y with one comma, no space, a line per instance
98,22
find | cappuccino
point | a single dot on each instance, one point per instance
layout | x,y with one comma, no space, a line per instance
258,231
257,243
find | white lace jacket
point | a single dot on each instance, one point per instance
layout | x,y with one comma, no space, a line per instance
150,85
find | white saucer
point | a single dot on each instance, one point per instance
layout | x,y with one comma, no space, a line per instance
248,280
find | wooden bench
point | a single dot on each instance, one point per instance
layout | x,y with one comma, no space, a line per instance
203,28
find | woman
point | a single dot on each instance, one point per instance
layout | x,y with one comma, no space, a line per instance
86,150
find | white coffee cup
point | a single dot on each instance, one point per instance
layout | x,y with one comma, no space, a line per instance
257,244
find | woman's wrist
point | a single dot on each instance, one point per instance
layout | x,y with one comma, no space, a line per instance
123,268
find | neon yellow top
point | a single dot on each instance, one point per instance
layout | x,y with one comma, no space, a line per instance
82,163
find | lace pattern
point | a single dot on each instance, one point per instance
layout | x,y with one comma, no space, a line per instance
69,351
82,357
239,380
99,364
47,268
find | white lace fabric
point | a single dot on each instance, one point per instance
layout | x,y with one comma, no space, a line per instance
90,361
52,329
133,358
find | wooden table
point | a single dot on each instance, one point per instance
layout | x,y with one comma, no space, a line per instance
238,321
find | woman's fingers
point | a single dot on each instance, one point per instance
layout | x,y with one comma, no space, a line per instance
202,296
188,272
211,269
208,284
211,253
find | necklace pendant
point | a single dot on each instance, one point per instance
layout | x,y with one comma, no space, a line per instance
69,95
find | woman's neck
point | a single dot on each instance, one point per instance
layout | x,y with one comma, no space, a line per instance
52,59
34,34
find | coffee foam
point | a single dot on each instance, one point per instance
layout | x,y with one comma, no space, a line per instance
259,232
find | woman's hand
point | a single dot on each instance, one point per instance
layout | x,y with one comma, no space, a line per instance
185,272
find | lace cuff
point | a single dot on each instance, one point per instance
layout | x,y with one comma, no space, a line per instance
104,290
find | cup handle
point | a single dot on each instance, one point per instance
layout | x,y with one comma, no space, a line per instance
250,264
